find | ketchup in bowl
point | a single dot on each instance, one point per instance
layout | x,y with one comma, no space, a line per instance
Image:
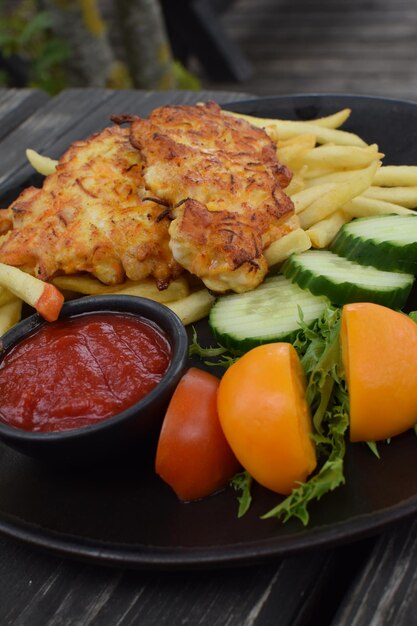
81,370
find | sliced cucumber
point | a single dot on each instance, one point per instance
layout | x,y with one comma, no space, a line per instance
268,313
388,242
343,281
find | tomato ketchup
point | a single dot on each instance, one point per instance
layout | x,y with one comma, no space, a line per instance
81,370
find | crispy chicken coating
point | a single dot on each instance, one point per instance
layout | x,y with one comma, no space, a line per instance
222,180
190,187
91,215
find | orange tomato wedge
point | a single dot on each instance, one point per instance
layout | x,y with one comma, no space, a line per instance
379,353
265,416
193,456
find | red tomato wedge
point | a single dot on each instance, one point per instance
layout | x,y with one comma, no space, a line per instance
379,351
265,416
193,456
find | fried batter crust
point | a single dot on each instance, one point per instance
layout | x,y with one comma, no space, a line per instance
91,215
224,184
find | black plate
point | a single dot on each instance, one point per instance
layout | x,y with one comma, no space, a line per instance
126,516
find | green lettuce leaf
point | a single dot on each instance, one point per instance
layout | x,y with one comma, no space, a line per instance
242,483
373,446
218,355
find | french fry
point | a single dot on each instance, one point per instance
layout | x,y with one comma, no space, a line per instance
311,173
307,140
289,128
341,157
194,307
84,284
291,151
284,129
362,206
297,184
304,198
322,233
396,176
10,314
88,285
329,177
42,164
335,120
176,290
337,197
292,155
296,241
44,297
6,296
404,196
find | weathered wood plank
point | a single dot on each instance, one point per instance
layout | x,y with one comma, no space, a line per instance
350,47
385,593
16,105
42,590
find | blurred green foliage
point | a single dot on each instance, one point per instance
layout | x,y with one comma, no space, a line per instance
184,78
31,55
26,38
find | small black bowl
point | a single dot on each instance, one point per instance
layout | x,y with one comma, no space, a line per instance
137,427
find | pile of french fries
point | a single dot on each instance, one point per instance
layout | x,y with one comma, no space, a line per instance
336,177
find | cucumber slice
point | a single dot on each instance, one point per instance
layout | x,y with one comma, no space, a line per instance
388,242
343,281
266,314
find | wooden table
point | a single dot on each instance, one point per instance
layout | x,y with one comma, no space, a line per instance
372,581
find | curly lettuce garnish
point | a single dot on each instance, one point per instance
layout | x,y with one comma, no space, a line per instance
242,483
214,356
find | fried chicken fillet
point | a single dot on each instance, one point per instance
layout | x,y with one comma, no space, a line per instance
91,215
222,180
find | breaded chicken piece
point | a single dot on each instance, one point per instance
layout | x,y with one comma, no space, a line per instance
221,177
91,215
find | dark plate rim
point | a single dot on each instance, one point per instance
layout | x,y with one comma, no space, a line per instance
140,556
315,95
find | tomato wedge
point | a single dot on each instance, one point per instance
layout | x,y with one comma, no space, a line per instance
379,352
193,456
265,416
